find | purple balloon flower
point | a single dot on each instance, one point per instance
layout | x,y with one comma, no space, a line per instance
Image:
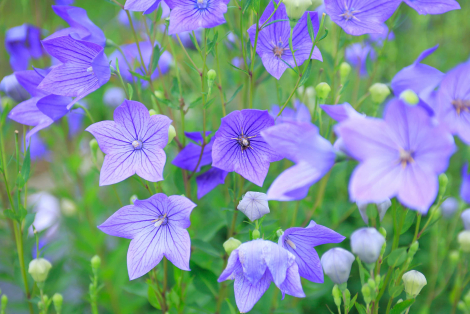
299,113
465,187
81,27
273,40
313,156
189,15
401,156
37,148
301,242
83,70
453,107
342,112
157,227
254,265
13,89
209,180
239,147
23,43
357,54
146,6
359,17
133,143
433,6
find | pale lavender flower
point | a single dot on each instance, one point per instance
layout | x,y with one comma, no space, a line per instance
299,113
145,6
189,15
301,243
382,208
449,207
273,40
157,227
13,89
401,156
239,147
466,219
47,210
254,265
357,55
433,6
367,244
254,205
337,264
23,43
37,148
341,112
313,156
133,143
359,17
114,96
465,186
209,180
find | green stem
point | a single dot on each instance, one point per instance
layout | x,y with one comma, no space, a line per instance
86,111
253,55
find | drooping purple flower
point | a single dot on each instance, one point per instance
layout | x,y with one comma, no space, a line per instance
189,15
114,96
254,265
337,264
453,105
301,243
401,156
133,143
42,109
357,55
359,17
83,70
433,6
23,43
132,56
75,119
273,40
209,180
157,227
13,89
239,147
81,27
465,186
313,156
299,113
145,6
37,148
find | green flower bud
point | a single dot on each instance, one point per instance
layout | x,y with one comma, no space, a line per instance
279,232
443,181
159,94
296,8
383,232
466,298
95,262
68,207
454,256
4,302
256,234
171,133
461,306
409,97
414,281
379,92
371,283
323,90
132,199
347,297
337,295
231,244
94,149
377,280
344,70
413,249
46,299
464,240
152,112
211,75
57,299
366,294
39,269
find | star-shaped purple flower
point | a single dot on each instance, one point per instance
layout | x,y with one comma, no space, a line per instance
83,70
189,15
254,265
239,147
433,6
301,242
313,156
359,17
453,103
157,227
145,6
133,143
273,40
401,156
23,43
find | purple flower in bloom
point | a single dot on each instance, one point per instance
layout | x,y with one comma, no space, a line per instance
133,143
132,56
254,265
157,227
453,107
273,40
301,242
359,17
37,148
465,187
401,156
239,147
342,112
83,70
433,6
146,6
81,27
357,54
299,113
301,143
42,109
189,15
13,89
23,43
207,181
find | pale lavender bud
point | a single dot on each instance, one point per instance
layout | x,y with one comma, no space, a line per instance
367,243
449,207
114,96
337,264
12,88
466,218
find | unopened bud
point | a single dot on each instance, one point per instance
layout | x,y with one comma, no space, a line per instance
152,112
413,249
371,283
379,92
95,262
409,97
171,133
39,269
256,234
133,199
461,306
377,280
367,244
68,207
414,281
344,70
4,302
211,75
279,232
231,244
454,256
366,294
159,94
337,264
323,90
464,240
443,181
296,8
57,299
347,297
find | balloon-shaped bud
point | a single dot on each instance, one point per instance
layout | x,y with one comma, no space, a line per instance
279,232
68,207
256,234
39,269
4,302
323,90
414,281
296,8
443,181
13,89
159,94
449,207
132,199
231,244
58,299
379,92
367,244
95,262
464,240
152,112
409,97
337,264
344,70
171,133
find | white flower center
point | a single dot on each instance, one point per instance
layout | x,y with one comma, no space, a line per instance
137,144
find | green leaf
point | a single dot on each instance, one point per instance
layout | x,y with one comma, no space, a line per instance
213,42
246,5
275,21
402,306
131,90
28,221
306,74
288,65
152,297
310,29
206,247
409,219
195,102
157,52
234,94
394,291
10,214
169,103
244,71
230,306
142,77
353,301
360,308
209,103
396,257
323,37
